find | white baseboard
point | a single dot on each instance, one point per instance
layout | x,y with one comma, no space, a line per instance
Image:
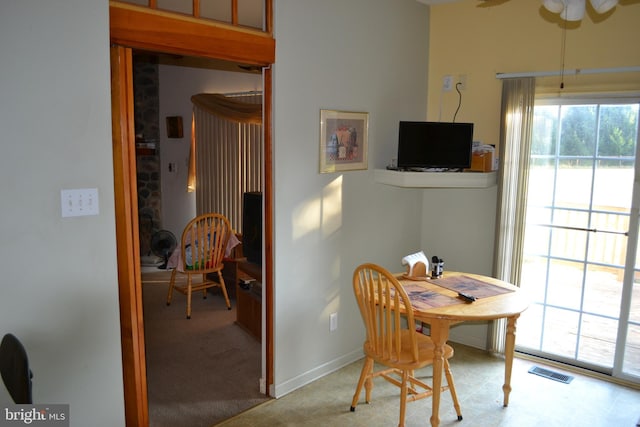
471,334
295,383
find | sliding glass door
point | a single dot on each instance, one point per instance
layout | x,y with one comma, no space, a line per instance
581,263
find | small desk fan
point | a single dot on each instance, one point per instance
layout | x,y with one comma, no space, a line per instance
163,242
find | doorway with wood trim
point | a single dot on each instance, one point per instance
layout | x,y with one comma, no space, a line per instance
216,42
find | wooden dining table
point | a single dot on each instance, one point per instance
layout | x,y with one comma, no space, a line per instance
437,303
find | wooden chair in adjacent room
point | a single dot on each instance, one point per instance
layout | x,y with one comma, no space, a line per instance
203,244
392,341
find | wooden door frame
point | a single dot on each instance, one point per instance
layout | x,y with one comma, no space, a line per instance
137,27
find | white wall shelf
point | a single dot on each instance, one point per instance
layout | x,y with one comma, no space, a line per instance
436,179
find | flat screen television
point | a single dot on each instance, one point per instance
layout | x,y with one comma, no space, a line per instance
426,145
252,226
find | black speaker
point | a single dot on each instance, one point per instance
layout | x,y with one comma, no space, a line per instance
252,226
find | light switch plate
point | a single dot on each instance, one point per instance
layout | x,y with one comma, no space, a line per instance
79,202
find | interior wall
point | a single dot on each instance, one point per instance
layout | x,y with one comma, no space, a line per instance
177,85
364,56
459,227
59,288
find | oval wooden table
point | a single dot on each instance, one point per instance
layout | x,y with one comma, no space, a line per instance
437,303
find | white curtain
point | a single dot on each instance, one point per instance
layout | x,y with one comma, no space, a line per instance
518,97
228,153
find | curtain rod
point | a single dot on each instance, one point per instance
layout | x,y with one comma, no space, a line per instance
568,72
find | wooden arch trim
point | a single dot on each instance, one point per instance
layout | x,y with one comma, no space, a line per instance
147,29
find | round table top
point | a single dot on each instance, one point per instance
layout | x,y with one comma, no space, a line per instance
510,303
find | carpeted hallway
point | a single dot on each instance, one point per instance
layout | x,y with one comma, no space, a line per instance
199,371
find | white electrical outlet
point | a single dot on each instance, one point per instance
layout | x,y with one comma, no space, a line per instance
447,83
333,322
79,202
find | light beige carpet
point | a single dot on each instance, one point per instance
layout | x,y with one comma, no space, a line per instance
202,370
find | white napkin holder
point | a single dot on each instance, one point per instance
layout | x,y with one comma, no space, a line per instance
417,264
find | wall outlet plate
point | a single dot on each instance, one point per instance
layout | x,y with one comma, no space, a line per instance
447,83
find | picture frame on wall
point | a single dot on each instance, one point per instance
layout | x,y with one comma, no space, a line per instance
174,127
344,139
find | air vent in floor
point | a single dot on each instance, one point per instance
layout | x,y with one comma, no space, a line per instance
546,373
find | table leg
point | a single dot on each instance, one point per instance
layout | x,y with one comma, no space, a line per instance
509,350
439,335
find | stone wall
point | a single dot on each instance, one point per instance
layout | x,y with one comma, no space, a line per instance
147,128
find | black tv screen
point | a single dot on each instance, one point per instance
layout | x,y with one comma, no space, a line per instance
434,145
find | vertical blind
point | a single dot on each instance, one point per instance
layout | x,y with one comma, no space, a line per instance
228,152
518,97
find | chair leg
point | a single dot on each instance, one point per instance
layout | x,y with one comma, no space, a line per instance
204,291
403,397
172,283
452,389
367,366
223,287
188,296
368,385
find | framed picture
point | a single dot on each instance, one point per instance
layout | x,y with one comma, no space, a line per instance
343,140
174,127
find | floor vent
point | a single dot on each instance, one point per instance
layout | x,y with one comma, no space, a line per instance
551,375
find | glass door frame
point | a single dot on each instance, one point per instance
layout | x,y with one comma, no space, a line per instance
630,268
630,271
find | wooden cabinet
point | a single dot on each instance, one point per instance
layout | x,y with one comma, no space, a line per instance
243,280
249,297
249,309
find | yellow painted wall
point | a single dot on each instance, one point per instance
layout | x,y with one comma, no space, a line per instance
479,39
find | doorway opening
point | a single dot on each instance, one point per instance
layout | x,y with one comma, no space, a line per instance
227,359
